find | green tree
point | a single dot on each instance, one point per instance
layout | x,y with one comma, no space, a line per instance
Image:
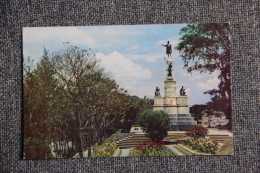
87,88
197,111
197,131
42,113
40,100
68,97
206,48
155,124
36,148
95,102
134,106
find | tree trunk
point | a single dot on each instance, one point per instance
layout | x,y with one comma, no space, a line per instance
78,144
89,151
77,131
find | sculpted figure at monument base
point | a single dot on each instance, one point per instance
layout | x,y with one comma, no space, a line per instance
157,91
182,91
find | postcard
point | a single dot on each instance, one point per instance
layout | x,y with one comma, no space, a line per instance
127,90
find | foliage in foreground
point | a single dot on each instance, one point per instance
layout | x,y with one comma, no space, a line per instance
36,148
154,148
136,105
203,145
197,131
155,124
107,150
206,48
68,97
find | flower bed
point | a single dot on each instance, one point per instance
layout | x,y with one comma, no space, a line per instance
106,150
202,145
154,148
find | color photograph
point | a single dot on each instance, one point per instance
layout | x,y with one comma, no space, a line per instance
127,90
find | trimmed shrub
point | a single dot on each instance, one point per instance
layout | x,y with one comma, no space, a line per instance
155,124
196,132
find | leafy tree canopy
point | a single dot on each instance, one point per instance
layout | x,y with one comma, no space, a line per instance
197,111
155,124
68,97
206,48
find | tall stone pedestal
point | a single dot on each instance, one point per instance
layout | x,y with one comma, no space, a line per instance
175,106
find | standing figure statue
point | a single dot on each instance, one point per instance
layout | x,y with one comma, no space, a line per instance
182,91
157,91
168,49
170,70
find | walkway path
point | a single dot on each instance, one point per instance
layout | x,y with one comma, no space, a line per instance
215,131
85,154
175,150
125,152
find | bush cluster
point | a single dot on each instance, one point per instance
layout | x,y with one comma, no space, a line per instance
107,151
36,148
155,124
203,145
196,132
154,148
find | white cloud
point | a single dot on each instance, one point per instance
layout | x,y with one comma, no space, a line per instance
134,47
140,89
58,35
151,57
210,84
146,57
112,37
126,73
52,38
188,91
125,52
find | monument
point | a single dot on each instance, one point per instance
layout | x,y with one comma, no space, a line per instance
175,106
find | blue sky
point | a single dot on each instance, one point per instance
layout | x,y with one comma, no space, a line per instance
133,55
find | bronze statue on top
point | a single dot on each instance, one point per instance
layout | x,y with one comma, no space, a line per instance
168,48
